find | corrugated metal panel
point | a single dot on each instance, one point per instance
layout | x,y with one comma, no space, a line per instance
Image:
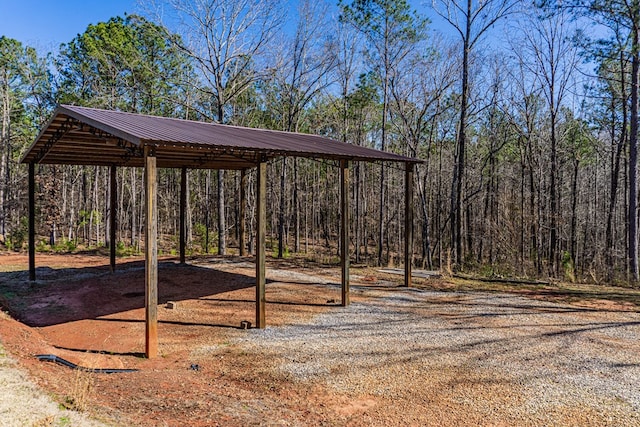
113,136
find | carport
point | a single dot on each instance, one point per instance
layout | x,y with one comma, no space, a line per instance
88,136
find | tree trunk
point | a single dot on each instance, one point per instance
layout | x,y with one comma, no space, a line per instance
574,211
633,157
358,236
207,215
5,138
296,208
222,221
459,167
281,213
134,211
615,173
553,195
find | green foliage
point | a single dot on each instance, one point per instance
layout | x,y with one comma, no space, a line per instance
286,252
123,250
43,246
579,139
65,246
361,103
391,19
125,63
26,88
200,231
18,235
25,96
392,30
568,266
61,247
86,217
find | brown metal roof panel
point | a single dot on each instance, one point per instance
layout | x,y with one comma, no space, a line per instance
150,128
185,136
310,145
162,130
104,122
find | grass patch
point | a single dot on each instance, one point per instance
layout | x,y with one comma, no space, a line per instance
81,391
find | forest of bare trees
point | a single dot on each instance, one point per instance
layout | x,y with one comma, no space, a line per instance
525,115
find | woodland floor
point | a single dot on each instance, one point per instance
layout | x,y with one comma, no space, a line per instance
446,352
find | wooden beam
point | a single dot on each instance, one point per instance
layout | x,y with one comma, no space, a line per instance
57,135
408,223
261,225
344,229
151,254
32,221
183,209
113,199
242,213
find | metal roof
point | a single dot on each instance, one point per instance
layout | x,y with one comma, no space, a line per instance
89,136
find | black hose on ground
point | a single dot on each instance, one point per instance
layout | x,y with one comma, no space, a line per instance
61,361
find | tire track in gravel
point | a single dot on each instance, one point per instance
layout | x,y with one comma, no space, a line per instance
408,357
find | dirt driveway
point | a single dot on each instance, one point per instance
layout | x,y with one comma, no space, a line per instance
437,355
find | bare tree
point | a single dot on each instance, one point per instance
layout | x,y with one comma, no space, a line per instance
622,17
226,40
24,98
303,71
551,59
471,19
391,29
611,115
348,65
419,95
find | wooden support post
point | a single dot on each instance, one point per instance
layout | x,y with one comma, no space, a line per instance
408,223
32,222
261,225
242,213
183,209
113,199
344,229
151,254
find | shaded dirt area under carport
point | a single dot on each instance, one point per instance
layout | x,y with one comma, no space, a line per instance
394,357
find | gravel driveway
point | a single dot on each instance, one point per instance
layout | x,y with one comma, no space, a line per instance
411,357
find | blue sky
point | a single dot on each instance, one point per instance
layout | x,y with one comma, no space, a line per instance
45,24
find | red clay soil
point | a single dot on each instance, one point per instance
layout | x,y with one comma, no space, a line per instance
94,318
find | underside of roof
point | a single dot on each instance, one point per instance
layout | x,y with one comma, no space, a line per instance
88,136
